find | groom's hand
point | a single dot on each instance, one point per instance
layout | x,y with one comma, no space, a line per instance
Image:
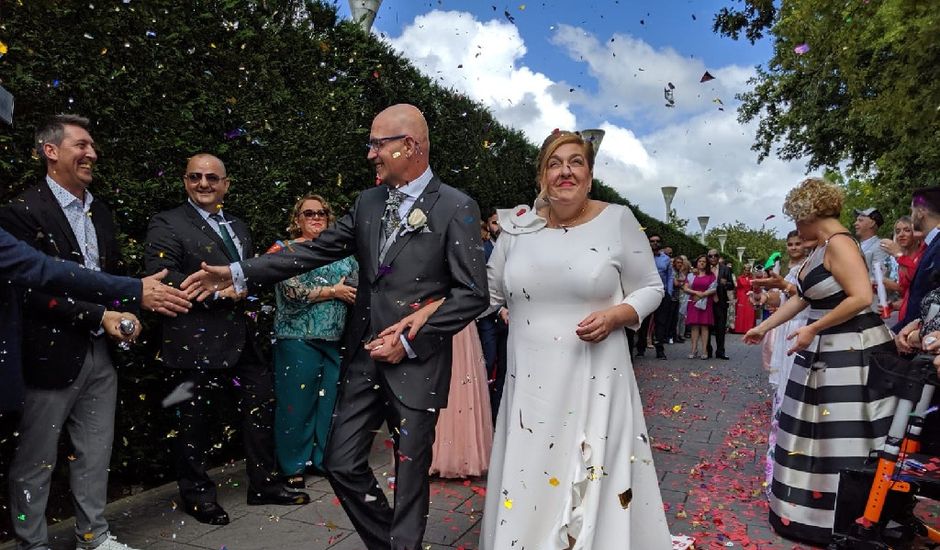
387,349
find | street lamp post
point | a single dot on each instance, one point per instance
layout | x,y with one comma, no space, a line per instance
741,250
669,193
703,222
722,239
363,12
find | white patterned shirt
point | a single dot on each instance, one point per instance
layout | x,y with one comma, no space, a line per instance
78,215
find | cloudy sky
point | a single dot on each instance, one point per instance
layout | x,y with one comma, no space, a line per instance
604,64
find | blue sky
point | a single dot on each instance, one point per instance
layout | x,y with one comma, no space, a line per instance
617,56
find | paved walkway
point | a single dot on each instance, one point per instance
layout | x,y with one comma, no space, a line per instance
707,422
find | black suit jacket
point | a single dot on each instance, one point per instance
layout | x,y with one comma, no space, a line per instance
724,273
57,329
443,259
214,333
922,283
23,265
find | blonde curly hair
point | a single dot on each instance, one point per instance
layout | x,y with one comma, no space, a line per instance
813,198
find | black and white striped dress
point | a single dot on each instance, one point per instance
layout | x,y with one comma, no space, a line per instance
829,419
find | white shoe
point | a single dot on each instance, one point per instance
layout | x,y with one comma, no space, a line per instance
111,543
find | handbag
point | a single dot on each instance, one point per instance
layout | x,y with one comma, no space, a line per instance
701,303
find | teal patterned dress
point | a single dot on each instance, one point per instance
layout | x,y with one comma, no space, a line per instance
306,365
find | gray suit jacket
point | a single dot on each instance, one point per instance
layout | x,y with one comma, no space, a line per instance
443,259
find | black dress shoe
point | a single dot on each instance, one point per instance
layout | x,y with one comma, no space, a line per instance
277,495
207,512
722,356
660,355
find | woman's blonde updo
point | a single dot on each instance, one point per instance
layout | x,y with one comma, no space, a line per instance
813,198
551,144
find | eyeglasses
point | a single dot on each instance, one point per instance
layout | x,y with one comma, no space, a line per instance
655,240
196,177
712,255
316,213
375,144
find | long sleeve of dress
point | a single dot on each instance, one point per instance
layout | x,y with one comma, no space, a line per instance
639,278
494,271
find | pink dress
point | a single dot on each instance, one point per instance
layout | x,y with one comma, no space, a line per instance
694,315
464,435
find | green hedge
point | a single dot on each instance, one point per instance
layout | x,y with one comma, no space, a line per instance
281,90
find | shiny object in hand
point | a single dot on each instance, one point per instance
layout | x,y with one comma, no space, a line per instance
127,327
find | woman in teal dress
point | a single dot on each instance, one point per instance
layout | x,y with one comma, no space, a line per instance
308,326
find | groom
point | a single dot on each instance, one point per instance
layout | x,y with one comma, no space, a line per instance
416,240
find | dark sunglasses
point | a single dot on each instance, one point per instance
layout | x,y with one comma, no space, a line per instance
712,255
196,177
316,213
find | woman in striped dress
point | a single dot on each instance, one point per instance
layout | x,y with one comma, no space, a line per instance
829,419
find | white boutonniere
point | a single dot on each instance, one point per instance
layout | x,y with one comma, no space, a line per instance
417,221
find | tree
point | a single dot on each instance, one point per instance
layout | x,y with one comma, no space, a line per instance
852,84
758,243
677,223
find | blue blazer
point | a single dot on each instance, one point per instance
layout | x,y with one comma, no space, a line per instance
24,266
921,284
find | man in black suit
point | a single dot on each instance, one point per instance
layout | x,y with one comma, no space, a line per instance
214,345
25,267
70,380
725,278
416,239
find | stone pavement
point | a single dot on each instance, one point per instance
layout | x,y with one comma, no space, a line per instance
707,422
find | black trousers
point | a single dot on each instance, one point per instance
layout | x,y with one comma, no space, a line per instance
251,383
365,402
660,327
719,329
493,337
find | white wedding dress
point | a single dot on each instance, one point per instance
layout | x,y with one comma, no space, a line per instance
571,456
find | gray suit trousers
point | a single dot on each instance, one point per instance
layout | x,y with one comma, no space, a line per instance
86,408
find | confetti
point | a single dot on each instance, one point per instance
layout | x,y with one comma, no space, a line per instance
625,498
508,503
801,49
3,48
706,77
553,481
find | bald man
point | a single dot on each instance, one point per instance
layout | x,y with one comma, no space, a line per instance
214,345
416,239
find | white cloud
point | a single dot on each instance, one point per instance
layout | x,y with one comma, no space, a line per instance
695,146
482,60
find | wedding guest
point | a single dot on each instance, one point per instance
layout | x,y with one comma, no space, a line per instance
464,434
492,328
724,280
680,270
779,290
829,419
743,309
906,248
308,327
699,312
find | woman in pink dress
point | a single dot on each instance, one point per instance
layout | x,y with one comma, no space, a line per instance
464,435
699,315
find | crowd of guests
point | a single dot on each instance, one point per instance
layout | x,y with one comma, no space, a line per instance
398,314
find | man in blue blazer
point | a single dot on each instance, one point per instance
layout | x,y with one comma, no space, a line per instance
24,266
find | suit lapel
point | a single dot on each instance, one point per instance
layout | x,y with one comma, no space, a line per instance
376,209
425,202
926,266
51,207
204,226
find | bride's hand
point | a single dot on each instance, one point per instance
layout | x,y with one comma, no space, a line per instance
413,322
596,326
